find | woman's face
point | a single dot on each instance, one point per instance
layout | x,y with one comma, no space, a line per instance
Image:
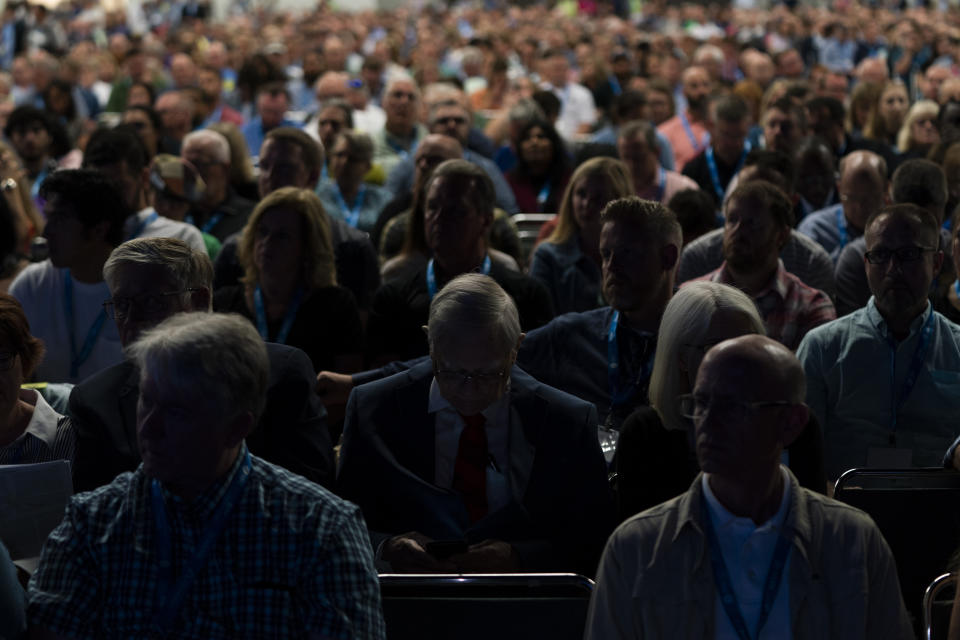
724,325
923,131
277,245
588,197
536,147
893,107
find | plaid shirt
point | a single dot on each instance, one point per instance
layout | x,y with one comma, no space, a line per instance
788,307
293,558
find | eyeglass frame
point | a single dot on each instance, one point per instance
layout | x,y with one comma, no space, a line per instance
898,254
485,380
745,408
110,306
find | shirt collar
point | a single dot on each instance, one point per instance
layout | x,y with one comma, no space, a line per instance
878,321
779,284
437,402
43,422
723,518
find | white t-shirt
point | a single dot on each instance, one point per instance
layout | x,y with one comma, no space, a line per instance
40,288
161,227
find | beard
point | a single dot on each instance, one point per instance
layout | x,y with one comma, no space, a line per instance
697,103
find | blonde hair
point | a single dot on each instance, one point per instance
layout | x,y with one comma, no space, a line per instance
618,179
318,269
920,109
876,128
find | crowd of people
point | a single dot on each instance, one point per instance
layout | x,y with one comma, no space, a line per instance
593,287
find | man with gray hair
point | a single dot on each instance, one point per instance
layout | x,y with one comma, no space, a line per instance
205,539
402,130
445,450
150,279
221,211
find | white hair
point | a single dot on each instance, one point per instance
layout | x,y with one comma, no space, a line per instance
215,143
469,305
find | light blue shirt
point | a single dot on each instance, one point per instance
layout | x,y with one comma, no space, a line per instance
375,198
821,227
849,389
747,551
254,133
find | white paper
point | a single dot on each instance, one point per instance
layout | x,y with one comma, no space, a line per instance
32,501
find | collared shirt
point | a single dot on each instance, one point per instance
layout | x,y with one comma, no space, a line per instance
747,550
47,436
683,149
821,226
375,198
389,150
788,307
447,429
292,558
572,277
847,365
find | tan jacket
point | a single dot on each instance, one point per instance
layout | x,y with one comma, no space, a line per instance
656,580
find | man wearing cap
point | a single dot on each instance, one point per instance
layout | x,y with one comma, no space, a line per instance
174,186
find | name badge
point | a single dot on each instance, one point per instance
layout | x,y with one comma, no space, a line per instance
889,458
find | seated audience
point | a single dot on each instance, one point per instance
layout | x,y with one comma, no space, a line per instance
568,261
345,195
691,567
402,131
542,170
687,130
205,539
638,147
713,168
883,380
151,279
62,296
478,418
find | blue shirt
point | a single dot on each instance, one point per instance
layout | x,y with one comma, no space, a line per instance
375,198
821,227
254,133
847,366
608,135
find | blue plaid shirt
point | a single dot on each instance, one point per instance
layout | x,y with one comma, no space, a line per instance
292,559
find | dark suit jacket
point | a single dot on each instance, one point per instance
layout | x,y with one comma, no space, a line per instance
292,432
561,512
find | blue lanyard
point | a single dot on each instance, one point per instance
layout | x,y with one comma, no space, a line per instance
661,184
212,222
143,225
543,195
956,288
352,216
172,595
35,189
287,319
403,153
712,166
697,146
432,277
620,396
722,578
898,399
842,227
92,333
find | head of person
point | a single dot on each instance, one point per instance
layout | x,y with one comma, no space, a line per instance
628,106
147,124
458,210
872,70
183,71
700,315
450,118
287,237
175,186
203,382
540,150
784,124
747,406
862,186
474,333
85,215
289,157
825,119
730,117
696,85
121,157
592,185
332,85
887,117
639,149
640,249
241,165
525,111
151,279
554,67
273,100
949,91
775,167
695,211
758,218
789,64
932,79
20,353
209,152
660,106
549,103
30,131
902,259
334,117
175,109
816,171
863,99
922,183
833,84
141,94
401,104
210,83
351,158
919,130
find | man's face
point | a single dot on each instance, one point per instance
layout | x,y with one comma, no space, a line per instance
332,121
68,241
432,151
933,78
637,155
555,70
696,88
172,113
281,165
401,105
271,107
900,286
633,269
139,301
658,107
211,85
31,141
345,165
780,131
728,138
835,86
215,174
278,245
479,356
751,237
452,223
791,64
452,121
861,195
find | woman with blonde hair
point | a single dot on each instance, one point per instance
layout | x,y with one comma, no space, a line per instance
568,261
888,114
289,288
919,132
656,454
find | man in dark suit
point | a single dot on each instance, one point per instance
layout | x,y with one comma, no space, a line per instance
151,279
483,466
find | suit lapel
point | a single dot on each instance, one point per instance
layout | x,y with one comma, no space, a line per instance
127,406
417,444
527,413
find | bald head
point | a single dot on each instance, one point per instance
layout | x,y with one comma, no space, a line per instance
331,85
763,368
864,164
873,70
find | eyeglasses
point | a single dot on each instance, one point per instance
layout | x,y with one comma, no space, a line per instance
903,254
458,378
695,407
149,304
455,120
7,358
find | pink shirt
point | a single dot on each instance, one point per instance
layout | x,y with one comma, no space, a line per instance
673,182
683,148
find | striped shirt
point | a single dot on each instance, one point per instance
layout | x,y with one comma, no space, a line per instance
292,559
48,436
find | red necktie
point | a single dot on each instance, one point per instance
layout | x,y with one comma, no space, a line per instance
470,469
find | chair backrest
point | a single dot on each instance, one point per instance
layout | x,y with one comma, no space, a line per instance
937,608
918,512
528,228
484,606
